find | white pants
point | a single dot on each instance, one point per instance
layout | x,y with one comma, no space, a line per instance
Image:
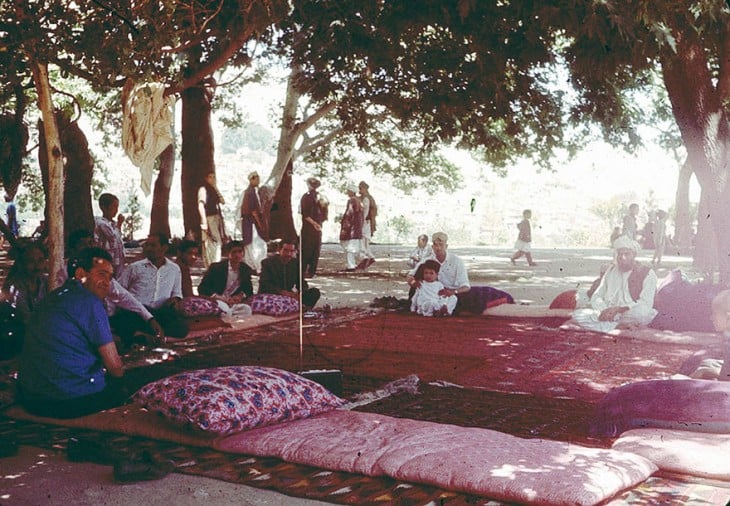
588,318
255,252
352,248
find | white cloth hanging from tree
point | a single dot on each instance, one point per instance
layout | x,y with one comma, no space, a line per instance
146,126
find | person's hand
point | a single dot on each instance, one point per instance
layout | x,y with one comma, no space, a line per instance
413,282
235,299
120,219
609,314
447,292
317,227
159,332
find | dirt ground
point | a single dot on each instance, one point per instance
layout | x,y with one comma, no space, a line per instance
37,476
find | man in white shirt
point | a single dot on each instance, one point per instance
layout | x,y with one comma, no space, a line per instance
452,273
625,295
156,282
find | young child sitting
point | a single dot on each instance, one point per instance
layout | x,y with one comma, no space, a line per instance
421,251
427,301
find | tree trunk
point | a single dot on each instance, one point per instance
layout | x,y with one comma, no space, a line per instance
281,219
705,252
682,219
54,202
160,214
78,172
703,123
289,133
197,150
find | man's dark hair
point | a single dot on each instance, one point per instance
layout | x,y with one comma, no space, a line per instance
164,240
433,265
233,244
85,260
75,237
186,245
106,199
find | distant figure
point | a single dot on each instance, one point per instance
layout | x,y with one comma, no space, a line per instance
615,235
314,213
421,251
212,224
11,212
351,229
427,301
648,233
523,244
108,231
252,225
369,212
660,237
630,226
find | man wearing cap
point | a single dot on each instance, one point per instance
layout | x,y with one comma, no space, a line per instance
313,214
369,212
625,295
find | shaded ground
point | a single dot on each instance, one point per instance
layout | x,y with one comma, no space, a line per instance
37,476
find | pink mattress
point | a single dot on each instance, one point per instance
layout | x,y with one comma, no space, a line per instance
472,460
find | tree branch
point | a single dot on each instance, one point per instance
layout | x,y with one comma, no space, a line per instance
316,116
316,142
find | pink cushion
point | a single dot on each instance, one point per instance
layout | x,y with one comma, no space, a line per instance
472,460
565,300
693,405
682,452
224,400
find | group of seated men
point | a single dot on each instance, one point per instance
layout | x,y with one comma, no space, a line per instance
69,365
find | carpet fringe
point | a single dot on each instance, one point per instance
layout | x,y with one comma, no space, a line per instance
408,384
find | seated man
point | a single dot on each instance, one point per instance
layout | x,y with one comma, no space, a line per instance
280,275
625,295
69,358
156,282
187,254
228,280
118,296
452,274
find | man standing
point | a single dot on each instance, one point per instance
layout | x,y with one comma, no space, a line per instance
280,276
630,225
369,212
69,358
108,231
313,214
252,224
228,280
212,225
625,295
157,283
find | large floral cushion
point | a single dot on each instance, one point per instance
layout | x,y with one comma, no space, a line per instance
224,400
272,304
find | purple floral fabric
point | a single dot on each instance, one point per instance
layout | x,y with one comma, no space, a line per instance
198,306
272,304
225,400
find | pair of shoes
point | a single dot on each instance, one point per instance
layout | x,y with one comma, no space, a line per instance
370,261
86,450
533,264
441,312
363,264
141,467
348,270
512,261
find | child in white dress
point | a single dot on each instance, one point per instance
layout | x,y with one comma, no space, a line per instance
427,301
421,251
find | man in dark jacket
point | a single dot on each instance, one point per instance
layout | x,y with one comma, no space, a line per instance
280,275
228,280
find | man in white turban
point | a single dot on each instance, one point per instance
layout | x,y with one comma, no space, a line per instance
625,296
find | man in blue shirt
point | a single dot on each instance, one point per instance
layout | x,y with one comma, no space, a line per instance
69,361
